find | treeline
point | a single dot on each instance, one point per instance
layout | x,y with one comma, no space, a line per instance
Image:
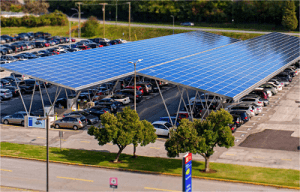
260,12
29,6
57,18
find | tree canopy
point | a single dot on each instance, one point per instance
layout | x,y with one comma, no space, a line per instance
201,137
289,19
123,129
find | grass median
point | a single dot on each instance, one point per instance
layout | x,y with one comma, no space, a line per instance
282,177
117,32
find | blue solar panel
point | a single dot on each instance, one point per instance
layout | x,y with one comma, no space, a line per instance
232,69
78,70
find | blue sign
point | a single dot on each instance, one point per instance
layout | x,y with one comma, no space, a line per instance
34,122
187,173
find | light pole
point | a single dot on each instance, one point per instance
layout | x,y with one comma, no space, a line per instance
47,146
70,27
116,12
103,10
129,20
134,99
173,23
79,17
78,22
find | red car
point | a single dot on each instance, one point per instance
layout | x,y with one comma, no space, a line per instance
47,44
138,88
83,47
73,40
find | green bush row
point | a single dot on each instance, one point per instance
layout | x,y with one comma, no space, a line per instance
56,18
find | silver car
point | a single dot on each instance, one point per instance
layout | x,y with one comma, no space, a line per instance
248,100
17,118
249,109
74,121
265,101
5,94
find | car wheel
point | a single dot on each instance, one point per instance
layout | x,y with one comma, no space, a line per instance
22,123
75,127
56,126
6,122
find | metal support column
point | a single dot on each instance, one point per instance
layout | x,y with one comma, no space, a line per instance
21,97
47,93
42,98
33,91
178,108
164,103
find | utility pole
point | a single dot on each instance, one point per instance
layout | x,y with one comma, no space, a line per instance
79,15
116,12
129,22
103,10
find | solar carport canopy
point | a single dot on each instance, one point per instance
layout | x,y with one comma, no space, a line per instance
234,70
84,69
199,60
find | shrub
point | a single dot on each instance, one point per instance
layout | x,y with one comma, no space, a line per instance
90,27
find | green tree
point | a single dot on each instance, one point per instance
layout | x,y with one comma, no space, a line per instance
90,27
144,135
201,137
123,129
289,19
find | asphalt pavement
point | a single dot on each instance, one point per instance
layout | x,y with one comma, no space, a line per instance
28,174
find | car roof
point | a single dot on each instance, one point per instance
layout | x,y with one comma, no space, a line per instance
160,122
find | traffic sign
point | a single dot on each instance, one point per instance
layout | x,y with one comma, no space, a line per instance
113,182
187,173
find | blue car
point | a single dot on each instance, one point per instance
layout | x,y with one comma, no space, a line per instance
167,119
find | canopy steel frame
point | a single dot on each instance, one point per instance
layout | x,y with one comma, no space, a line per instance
21,96
33,91
164,103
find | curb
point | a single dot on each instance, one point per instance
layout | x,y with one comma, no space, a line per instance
156,173
18,189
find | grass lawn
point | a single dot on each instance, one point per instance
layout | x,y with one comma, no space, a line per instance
224,26
116,32
284,177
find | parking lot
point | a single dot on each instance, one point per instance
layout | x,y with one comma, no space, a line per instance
265,122
268,140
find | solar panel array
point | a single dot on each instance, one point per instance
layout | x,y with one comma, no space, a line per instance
79,70
232,69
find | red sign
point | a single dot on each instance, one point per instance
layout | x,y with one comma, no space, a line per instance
188,158
113,182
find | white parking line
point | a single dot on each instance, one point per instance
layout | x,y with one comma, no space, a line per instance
241,131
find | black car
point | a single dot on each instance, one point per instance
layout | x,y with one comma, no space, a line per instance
5,82
15,47
22,37
11,79
243,114
112,105
7,39
14,90
40,44
23,87
8,49
12,39
3,51
104,43
236,122
93,45
285,76
98,110
91,119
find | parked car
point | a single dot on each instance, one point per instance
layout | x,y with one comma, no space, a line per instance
265,101
91,119
269,87
173,118
121,98
138,88
250,100
147,87
243,114
17,118
73,121
98,110
130,93
5,94
242,107
236,122
162,128
14,90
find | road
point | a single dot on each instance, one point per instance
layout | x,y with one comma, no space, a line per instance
31,175
182,28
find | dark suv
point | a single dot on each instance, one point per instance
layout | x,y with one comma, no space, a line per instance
130,93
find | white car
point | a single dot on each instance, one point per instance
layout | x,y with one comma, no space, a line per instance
278,86
162,128
122,40
121,98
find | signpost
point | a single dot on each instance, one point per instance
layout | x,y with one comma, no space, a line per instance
61,135
113,182
187,173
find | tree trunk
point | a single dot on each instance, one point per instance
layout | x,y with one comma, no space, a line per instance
206,164
118,155
134,150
